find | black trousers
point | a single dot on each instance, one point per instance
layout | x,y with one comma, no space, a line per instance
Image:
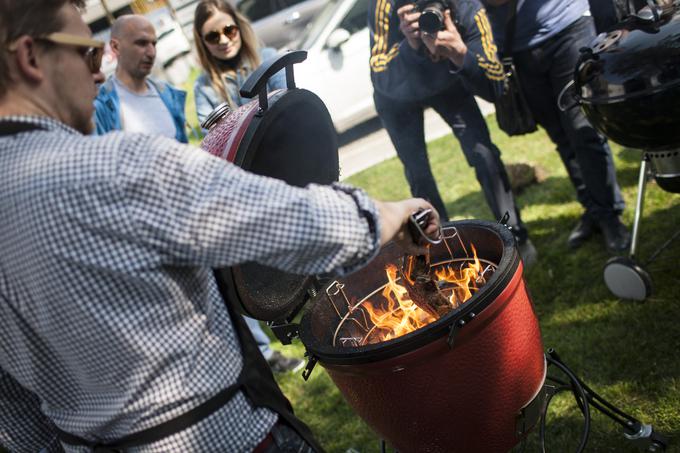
543,72
457,106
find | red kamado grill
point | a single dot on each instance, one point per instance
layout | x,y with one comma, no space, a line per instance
459,383
468,380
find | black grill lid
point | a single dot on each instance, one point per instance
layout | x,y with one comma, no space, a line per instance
292,138
638,57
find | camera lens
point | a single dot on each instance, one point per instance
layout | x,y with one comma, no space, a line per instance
432,18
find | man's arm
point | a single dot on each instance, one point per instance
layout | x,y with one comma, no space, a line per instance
191,208
472,54
400,69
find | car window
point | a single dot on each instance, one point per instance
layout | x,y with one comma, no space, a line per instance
311,33
357,17
287,3
257,9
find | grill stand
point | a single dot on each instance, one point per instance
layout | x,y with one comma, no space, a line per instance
624,277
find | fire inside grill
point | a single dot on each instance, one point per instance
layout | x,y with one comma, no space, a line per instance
410,298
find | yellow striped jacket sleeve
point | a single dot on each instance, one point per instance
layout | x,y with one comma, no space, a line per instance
481,66
382,51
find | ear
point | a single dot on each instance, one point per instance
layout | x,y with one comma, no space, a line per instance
115,46
30,63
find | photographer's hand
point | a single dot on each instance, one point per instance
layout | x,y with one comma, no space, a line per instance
446,43
408,25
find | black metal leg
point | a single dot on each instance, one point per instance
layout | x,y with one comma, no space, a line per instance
639,204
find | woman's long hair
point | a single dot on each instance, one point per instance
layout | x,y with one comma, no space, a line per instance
249,52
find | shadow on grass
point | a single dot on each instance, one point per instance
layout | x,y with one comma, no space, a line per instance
553,191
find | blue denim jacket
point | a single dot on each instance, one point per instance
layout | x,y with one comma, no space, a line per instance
107,107
207,98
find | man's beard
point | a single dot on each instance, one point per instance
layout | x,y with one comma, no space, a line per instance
141,74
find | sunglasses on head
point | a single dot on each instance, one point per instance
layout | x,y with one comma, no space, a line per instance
92,50
213,37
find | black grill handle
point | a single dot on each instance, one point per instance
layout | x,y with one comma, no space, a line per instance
257,82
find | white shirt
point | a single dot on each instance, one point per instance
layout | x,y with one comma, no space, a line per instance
144,112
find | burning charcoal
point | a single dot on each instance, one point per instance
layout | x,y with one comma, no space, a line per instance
422,288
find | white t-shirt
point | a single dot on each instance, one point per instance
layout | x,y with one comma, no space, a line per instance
144,112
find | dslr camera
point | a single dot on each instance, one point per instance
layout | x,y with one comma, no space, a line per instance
432,14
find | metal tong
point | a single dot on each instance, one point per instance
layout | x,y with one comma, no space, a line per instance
417,222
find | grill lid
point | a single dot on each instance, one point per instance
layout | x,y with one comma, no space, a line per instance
639,57
628,81
286,134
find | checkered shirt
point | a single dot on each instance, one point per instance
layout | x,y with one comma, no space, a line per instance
110,318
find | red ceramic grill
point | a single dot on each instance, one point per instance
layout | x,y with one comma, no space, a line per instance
471,380
461,383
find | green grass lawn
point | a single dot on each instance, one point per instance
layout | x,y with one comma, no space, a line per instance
626,351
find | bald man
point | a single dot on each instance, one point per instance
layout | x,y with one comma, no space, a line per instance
130,100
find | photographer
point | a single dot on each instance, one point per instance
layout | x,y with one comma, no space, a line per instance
411,71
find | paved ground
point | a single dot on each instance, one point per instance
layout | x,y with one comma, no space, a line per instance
368,143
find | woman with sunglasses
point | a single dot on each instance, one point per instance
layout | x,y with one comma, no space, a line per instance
229,52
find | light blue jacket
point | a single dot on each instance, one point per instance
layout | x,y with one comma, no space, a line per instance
107,107
207,99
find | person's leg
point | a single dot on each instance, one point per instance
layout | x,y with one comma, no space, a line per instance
277,361
460,110
261,338
591,149
543,72
404,124
534,77
604,14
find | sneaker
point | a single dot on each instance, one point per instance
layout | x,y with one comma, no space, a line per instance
279,363
528,253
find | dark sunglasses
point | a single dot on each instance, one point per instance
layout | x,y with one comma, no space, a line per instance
213,37
91,49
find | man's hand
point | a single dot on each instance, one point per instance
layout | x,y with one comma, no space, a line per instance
408,25
394,218
446,43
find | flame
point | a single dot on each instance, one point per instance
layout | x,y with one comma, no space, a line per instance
398,315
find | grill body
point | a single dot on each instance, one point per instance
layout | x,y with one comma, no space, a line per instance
421,395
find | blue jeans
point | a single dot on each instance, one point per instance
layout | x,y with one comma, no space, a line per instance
261,338
543,71
457,106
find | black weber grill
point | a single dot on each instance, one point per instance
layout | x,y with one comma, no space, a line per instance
628,84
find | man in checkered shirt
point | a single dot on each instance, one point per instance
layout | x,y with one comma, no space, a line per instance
110,319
